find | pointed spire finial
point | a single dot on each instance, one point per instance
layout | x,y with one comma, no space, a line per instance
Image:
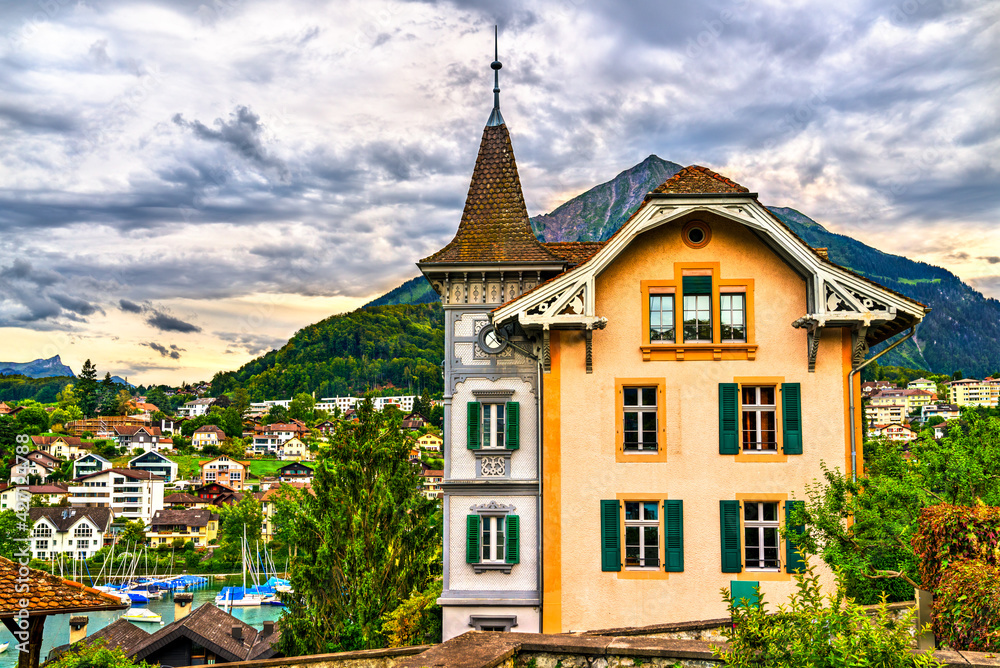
495,117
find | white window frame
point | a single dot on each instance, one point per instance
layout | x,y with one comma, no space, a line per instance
42,531
760,526
731,311
493,551
83,531
493,426
699,309
659,311
641,409
758,445
642,524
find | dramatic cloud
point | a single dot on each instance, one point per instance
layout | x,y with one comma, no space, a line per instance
248,168
173,352
168,323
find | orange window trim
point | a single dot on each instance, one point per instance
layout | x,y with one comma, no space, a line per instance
660,455
765,576
776,381
642,574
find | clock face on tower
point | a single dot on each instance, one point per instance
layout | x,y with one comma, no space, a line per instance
491,341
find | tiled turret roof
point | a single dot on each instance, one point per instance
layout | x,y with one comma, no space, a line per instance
494,226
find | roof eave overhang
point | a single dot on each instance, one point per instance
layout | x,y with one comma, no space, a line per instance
490,266
547,306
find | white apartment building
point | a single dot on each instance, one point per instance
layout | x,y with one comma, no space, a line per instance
404,403
76,532
196,407
131,494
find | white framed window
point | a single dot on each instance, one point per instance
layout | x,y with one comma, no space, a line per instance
40,555
493,539
43,531
760,423
760,536
661,318
41,544
733,310
494,421
640,418
697,318
210,475
642,534
234,475
83,531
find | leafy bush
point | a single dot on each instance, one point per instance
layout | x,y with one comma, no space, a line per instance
417,620
947,534
95,655
189,546
814,631
967,606
868,591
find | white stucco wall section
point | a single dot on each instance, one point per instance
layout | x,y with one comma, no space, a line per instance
523,576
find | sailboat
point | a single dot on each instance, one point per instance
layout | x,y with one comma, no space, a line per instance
240,597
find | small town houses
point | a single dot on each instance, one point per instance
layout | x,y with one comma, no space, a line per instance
133,438
75,532
156,463
61,447
130,494
198,525
226,471
49,494
90,463
207,435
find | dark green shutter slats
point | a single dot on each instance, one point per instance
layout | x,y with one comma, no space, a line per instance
729,421
791,418
794,562
697,285
673,529
472,539
513,539
729,516
474,420
513,425
611,552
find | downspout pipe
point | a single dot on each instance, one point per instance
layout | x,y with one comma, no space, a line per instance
850,389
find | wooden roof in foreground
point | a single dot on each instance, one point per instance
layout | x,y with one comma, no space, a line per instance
49,594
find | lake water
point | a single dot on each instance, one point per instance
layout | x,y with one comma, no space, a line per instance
57,626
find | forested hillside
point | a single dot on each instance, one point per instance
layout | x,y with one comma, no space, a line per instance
350,353
963,329
42,390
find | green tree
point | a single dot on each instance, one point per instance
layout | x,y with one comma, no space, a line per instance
33,419
133,534
241,401
231,422
86,389
366,539
301,407
123,402
863,528
12,534
158,398
232,520
67,397
276,414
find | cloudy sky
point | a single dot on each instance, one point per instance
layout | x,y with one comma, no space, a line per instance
185,183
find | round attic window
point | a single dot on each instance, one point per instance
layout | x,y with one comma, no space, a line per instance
696,234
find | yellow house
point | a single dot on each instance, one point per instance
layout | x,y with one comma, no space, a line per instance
63,447
972,392
293,450
629,422
198,525
431,442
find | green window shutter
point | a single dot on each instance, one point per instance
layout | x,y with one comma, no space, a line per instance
472,539
794,561
513,425
474,420
744,593
697,285
729,419
611,551
791,418
513,539
673,530
729,515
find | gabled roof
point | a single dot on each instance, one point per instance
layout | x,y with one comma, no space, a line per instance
132,430
574,252
696,179
494,226
210,627
209,429
93,455
48,594
151,452
190,517
121,634
68,440
181,498
63,519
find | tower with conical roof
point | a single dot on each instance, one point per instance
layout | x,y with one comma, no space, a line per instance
491,499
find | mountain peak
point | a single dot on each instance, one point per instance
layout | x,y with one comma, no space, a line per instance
40,368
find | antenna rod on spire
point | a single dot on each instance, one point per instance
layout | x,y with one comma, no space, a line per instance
495,117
